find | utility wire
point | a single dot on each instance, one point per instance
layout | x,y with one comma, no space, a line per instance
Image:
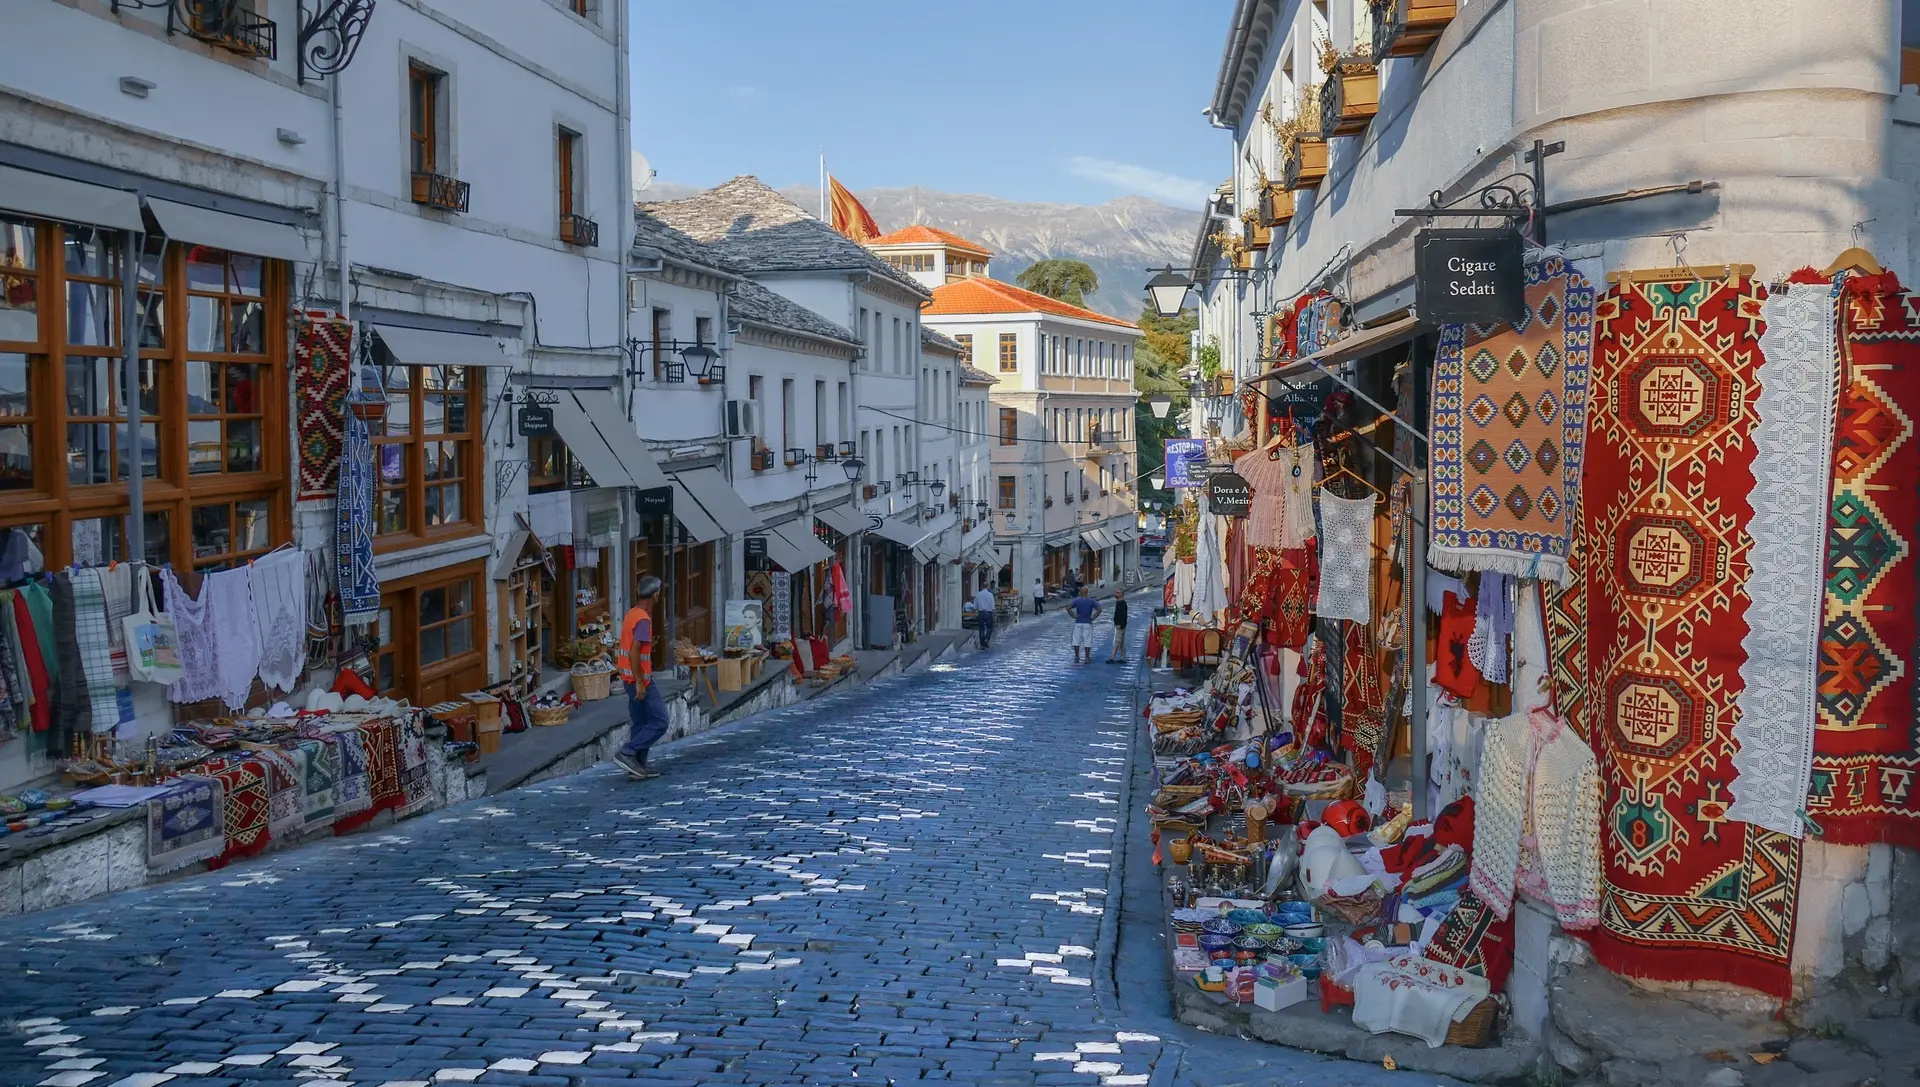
962,430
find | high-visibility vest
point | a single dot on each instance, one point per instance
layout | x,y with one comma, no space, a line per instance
623,657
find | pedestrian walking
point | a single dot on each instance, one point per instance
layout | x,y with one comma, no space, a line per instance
1119,652
1084,612
1039,595
983,605
646,710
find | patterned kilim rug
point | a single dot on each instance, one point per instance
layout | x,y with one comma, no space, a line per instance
1866,754
320,766
1509,431
382,746
245,782
1689,895
185,826
322,358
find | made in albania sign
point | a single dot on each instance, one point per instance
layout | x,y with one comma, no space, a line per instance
1469,275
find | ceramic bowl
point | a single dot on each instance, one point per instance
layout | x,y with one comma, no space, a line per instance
1247,917
1264,932
1307,930
1223,927
1214,944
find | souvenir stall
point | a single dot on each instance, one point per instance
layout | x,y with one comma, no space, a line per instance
1657,599
1318,814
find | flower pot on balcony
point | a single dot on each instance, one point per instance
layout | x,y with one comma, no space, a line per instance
1307,164
1276,205
1407,28
1352,99
1243,260
1259,235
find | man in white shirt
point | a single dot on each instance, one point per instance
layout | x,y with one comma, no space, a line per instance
983,608
1039,595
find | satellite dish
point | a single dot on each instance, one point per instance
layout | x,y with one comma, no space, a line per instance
643,173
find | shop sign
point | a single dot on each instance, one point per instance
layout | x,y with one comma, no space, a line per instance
654,502
1182,456
536,421
757,547
1469,276
1229,495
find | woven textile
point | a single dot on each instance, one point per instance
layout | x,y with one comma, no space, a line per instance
96,649
356,582
284,775
1509,431
193,627
1792,443
1866,753
416,776
236,634
320,771
279,593
1476,939
322,363
1363,703
1690,894
245,803
1346,558
185,826
350,794
1281,479
382,747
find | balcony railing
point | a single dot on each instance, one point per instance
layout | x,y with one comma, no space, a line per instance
230,24
579,230
440,191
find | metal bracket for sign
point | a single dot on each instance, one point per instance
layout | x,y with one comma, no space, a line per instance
505,471
526,396
1500,200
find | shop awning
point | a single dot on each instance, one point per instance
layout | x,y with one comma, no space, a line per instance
237,233
986,554
53,197
1097,539
794,547
723,506
1362,343
429,347
700,527
911,534
1125,535
846,520
598,435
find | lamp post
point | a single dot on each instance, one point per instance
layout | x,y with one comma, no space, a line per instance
1167,291
1161,403
853,466
1159,482
702,361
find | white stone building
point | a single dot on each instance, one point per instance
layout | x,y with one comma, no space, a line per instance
447,189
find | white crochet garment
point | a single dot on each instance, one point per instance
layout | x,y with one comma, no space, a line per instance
1346,558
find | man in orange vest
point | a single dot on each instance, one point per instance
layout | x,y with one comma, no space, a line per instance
646,710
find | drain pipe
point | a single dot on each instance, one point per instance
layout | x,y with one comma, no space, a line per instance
339,193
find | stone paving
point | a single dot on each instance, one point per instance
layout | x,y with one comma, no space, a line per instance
910,881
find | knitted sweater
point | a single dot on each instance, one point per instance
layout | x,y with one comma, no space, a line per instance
1563,798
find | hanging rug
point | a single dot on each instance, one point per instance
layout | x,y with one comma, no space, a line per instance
1509,431
322,360
1689,894
185,826
1866,753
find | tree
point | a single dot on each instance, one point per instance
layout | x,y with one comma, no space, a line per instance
1157,361
1068,281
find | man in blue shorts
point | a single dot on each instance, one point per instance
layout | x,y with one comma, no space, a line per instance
1084,611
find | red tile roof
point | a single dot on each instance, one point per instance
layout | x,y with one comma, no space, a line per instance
919,234
979,295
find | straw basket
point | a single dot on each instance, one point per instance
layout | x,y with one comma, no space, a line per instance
1476,1029
1173,796
548,716
592,686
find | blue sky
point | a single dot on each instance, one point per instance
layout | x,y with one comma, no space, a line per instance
1075,101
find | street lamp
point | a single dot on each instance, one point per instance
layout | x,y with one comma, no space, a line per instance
1168,290
938,487
1009,520
1158,481
700,359
852,466
1160,403
980,510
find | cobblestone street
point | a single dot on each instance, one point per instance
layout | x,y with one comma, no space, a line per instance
909,881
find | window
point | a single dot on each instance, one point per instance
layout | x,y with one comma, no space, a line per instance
1009,352
446,657
578,7
1006,492
662,339
212,428
567,167
845,416
426,455
423,109
965,340
551,466
1009,426
820,434
861,332
1909,42
786,415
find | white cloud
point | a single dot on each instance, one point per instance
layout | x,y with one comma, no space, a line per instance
1182,192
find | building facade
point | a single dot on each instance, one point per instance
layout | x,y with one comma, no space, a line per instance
415,207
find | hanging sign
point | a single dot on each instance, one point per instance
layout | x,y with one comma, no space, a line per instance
1229,495
654,502
1469,276
757,548
1182,455
536,421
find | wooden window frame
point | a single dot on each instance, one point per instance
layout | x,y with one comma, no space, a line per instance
1009,426
566,153
1009,353
469,464
423,118
1009,492
429,683
58,506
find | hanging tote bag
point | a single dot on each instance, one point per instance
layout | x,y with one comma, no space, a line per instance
153,646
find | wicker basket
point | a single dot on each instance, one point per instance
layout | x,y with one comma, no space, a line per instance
1173,796
1477,1028
548,716
592,686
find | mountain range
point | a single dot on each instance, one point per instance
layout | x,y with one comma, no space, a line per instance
1120,239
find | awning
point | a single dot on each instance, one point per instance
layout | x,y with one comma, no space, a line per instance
603,407
722,505
912,534
700,527
237,233
598,435
794,548
925,554
985,554
1364,342
1097,539
77,202
1125,535
426,347
846,520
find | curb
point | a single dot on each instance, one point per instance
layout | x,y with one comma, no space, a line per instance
1107,988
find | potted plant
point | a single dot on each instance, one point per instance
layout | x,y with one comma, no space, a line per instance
1350,97
1306,149
1406,28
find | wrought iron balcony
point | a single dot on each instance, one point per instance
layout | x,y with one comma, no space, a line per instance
440,191
232,25
579,230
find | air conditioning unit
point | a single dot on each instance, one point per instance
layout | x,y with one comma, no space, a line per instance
743,418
